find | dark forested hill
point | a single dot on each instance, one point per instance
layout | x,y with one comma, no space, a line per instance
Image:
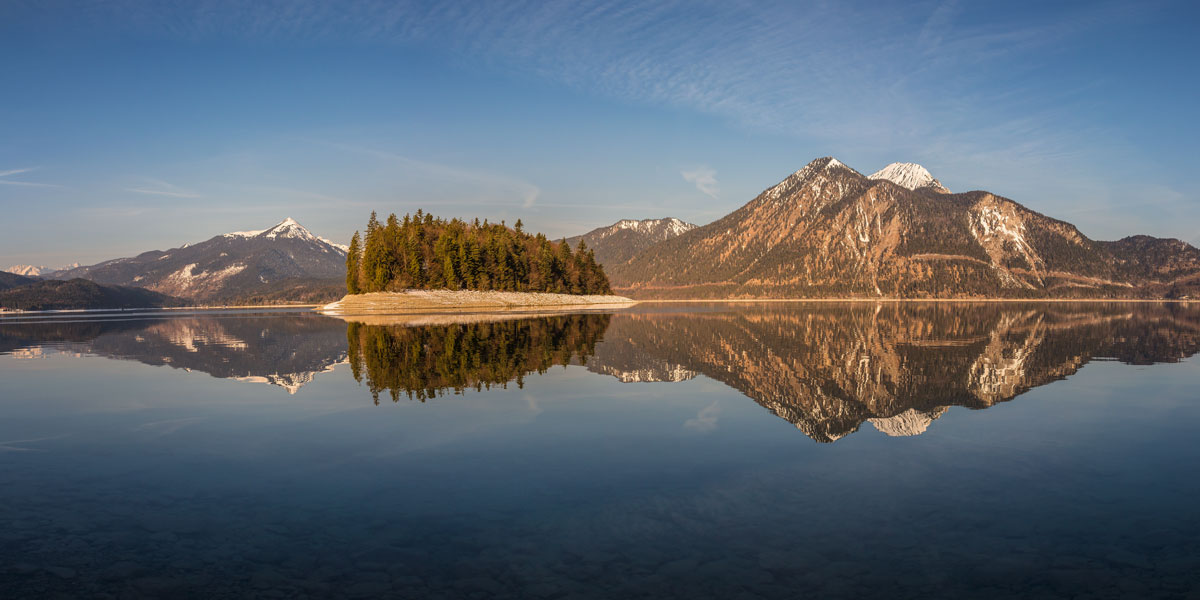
424,252
12,280
78,294
828,231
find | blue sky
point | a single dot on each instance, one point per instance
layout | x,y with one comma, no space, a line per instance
130,126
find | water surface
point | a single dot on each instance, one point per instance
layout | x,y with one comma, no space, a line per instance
724,451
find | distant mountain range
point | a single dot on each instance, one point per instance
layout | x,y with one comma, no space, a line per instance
828,231
824,231
625,239
38,270
285,263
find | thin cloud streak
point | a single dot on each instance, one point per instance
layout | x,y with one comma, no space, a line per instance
11,172
515,190
163,193
29,184
162,188
778,67
705,180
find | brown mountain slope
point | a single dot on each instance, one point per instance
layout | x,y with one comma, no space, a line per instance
827,231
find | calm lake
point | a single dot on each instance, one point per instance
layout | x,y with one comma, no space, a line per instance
776,450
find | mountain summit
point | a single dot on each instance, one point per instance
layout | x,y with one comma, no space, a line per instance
911,176
828,231
285,261
621,241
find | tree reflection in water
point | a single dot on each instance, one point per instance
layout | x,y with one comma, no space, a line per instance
427,361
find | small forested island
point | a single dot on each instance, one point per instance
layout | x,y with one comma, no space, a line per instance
421,261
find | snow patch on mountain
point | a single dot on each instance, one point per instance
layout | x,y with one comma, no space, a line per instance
243,234
187,277
911,176
667,227
288,228
38,270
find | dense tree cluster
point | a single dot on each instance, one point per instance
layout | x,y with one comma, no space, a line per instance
424,252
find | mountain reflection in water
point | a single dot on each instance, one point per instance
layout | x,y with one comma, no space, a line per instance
826,368
286,350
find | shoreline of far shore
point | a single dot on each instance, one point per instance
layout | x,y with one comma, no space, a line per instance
609,301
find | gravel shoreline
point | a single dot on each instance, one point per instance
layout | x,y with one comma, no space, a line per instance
424,300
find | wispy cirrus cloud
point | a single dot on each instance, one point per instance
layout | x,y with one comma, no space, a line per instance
470,185
929,71
926,79
705,180
155,187
4,179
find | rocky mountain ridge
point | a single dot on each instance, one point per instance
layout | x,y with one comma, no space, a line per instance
621,241
38,270
285,261
828,231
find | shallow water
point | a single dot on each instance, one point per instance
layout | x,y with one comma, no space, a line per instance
723,451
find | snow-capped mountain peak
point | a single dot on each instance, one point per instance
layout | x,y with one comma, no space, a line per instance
38,270
669,226
911,176
288,228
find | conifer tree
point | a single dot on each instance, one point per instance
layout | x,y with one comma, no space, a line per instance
352,262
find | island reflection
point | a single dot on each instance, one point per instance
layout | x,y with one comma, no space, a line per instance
426,361
826,368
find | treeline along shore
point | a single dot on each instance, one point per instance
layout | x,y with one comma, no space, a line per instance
424,252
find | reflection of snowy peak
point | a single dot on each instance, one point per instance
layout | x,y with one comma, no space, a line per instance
282,350
908,423
292,382
230,266
664,373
